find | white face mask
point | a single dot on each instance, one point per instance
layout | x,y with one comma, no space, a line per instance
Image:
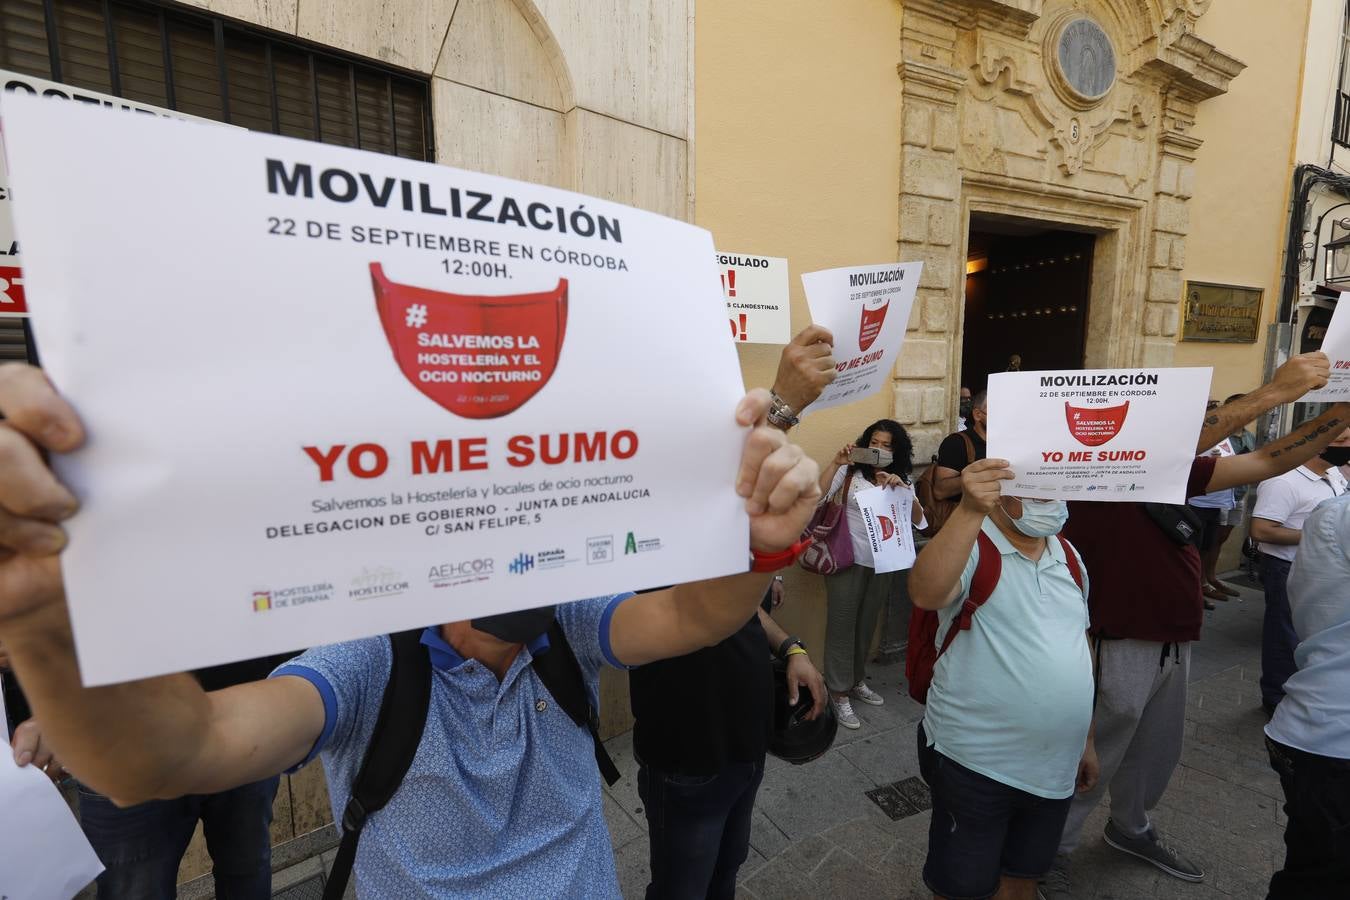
1041,518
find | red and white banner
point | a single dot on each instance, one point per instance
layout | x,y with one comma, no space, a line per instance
369,393
756,290
1098,434
886,515
867,310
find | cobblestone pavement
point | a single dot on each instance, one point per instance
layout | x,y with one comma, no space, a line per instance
817,834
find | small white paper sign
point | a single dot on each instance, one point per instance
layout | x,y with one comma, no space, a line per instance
886,515
368,393
1336,345
756,290
1098,434
867,310
43,853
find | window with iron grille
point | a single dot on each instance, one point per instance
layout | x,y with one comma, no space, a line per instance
217,69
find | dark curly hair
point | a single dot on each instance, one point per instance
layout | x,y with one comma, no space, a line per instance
902,450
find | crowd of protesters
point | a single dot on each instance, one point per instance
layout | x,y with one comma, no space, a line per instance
1061,645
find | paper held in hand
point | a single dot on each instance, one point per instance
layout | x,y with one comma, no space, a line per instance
886,516
43,853
366,394
867,310
1336,345
756,291
1098,434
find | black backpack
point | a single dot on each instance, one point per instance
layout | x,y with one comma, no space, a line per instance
403,716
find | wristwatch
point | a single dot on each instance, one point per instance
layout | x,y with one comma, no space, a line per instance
788,644
780,414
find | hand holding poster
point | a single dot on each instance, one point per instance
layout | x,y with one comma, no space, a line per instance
1336,345
368,394
756,290
886,516
1103,434
867,309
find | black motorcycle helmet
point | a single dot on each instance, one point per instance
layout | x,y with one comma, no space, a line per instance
794,738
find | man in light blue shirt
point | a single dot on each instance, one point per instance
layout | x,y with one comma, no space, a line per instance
1006,737
1309,735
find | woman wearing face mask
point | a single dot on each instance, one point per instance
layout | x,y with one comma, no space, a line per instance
857,593
1006,738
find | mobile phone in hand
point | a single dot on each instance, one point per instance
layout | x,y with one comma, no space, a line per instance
870,456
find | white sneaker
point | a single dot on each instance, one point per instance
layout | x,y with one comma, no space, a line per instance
843,711
861,691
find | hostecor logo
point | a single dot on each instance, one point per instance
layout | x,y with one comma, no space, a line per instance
521,564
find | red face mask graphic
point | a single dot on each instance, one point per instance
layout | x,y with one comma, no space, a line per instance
887,528
870,326
1094,427
479,357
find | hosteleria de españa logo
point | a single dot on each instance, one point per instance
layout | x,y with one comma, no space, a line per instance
480,357
262,601
1094,427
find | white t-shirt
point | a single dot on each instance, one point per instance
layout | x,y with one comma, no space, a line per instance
857,530
1288,499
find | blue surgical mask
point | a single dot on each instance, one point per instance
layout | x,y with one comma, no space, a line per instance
1041,518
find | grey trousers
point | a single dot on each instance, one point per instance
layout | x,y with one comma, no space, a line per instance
1139,725
856,597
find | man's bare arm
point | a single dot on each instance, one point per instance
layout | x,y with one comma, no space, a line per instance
160,737
772,630
778,482
935,580
1268,532
1299,374
1280,456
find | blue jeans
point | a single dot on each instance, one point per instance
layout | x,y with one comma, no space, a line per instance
1278,638
699,826
142,846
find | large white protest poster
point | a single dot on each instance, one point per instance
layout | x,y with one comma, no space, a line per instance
368,393
1098,434
756,291
1336,345
886,516
867,310
13,302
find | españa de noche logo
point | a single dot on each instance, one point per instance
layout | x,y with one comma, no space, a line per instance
380,581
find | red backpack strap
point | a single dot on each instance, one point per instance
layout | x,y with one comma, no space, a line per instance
1071,560
988,568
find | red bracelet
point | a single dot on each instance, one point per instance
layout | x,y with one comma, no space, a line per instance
772,562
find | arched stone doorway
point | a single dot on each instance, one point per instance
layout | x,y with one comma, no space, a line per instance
1069,118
